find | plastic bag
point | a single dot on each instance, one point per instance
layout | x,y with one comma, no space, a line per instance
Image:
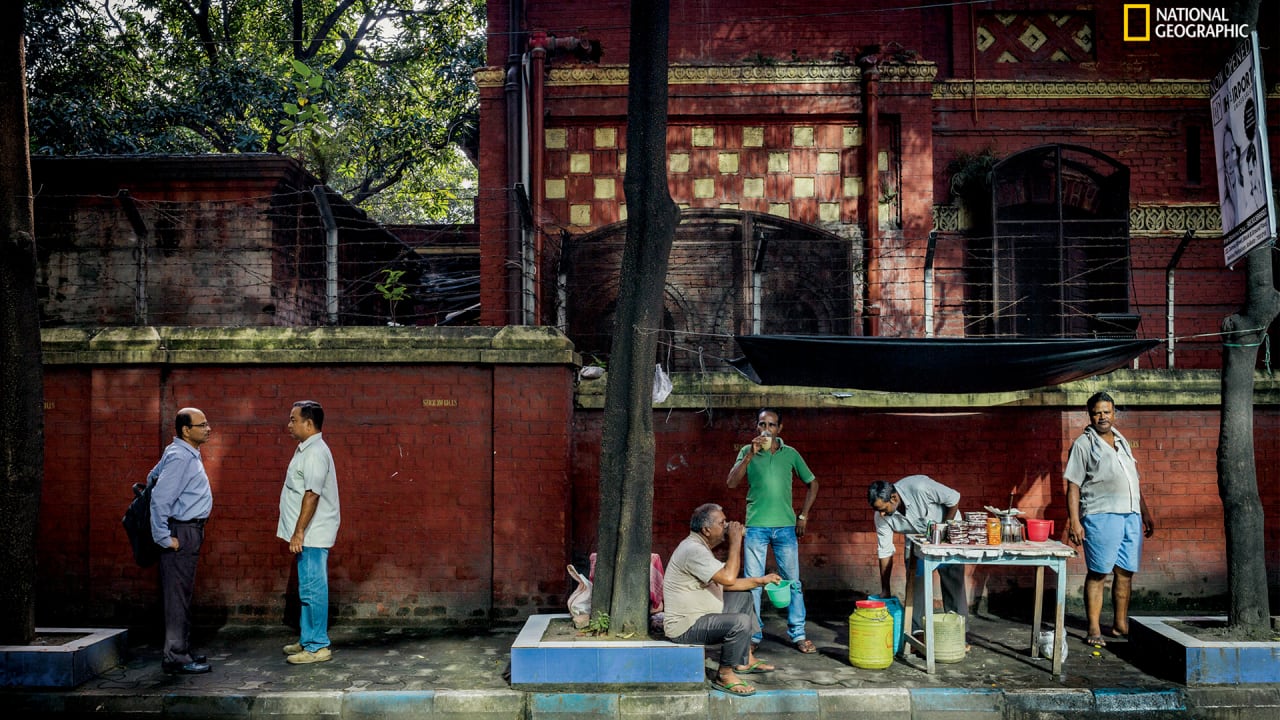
656,574
1046,645
580,600
661,384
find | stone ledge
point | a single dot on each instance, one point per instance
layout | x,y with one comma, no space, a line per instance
65,665
510,345
1137,389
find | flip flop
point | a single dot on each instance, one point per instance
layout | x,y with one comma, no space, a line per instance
1120,635
806,646
756,667
728,688
1096,641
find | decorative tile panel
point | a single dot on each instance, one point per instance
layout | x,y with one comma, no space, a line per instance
556,138
1034,37
606,137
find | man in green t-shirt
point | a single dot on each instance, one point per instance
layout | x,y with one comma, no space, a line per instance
769,465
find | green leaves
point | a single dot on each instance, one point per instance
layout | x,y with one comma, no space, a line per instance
392,290
376,98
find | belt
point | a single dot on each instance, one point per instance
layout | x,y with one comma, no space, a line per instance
198,522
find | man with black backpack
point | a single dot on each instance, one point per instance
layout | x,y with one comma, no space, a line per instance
180,505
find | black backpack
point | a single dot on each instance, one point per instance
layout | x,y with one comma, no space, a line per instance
137,522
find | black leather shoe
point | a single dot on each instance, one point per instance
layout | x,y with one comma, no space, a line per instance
191,668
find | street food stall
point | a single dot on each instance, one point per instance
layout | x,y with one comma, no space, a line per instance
1012,550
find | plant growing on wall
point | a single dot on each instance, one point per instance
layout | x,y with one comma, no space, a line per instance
970,185
393,291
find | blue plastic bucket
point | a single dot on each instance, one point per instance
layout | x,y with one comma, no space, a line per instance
894,606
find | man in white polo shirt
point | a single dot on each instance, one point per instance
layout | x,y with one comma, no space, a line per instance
309,518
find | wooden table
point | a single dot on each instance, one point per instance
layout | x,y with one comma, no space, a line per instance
1049,554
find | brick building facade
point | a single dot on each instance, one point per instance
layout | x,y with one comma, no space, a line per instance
851,120
468,462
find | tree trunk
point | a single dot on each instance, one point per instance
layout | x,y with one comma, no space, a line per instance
21,378
1250,611
627,453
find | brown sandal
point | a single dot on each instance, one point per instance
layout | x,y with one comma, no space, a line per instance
805,646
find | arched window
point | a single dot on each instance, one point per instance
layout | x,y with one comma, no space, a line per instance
731,272
1059,250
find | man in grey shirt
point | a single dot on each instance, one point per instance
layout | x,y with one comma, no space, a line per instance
908,506
707,603
1107,513
309,518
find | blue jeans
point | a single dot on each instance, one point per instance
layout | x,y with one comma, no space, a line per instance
786,552
313,593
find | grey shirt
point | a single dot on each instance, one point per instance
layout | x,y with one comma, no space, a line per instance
688,592
924,499
1108,478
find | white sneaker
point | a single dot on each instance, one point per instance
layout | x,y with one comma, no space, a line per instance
306,656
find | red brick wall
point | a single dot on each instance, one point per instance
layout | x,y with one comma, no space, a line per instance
419,476
531,426
465,490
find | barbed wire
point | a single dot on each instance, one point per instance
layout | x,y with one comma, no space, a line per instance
261,260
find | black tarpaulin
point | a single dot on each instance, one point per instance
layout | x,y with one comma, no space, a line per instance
930,365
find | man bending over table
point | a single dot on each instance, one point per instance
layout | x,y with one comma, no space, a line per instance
907,506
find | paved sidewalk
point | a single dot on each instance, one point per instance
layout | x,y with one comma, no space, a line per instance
407,673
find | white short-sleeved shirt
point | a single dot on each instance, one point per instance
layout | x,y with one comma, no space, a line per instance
311,469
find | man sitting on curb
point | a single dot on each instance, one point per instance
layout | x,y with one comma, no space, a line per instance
699,611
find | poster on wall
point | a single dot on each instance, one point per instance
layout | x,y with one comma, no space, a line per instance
1243,158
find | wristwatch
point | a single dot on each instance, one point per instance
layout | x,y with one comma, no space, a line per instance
802,517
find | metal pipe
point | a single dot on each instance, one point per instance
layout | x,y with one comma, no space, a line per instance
330,253
928,283
512,96
871,167
537,68
1168,296
139,256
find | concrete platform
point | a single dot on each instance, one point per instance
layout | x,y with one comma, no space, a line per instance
87,654
535,661
1181,657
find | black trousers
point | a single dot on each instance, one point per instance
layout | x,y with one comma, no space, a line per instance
733,628
177,583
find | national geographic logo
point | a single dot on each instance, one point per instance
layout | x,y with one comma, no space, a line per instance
1140,24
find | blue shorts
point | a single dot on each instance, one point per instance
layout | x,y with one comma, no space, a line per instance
1112,540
